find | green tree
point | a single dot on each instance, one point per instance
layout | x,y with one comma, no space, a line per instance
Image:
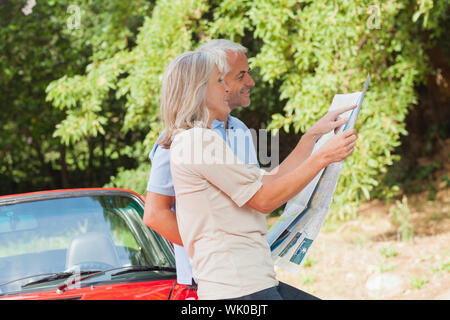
316,49
302,51
35,49
132,76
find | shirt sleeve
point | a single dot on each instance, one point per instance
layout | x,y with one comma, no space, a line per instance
244,142
160,180
206,154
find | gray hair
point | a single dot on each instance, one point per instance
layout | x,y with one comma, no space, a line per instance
219,48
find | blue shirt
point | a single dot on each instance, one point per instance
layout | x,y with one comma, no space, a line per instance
238,138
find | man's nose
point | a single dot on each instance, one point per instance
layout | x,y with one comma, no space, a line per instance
249,82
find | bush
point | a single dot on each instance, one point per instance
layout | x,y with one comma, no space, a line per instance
308,51
131,179
400,217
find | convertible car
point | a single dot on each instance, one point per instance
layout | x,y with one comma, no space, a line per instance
83,244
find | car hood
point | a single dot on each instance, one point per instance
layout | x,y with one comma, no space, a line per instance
153,290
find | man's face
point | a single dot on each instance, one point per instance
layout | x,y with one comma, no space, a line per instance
238,80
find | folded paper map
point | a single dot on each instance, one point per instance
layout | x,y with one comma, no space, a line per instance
295,230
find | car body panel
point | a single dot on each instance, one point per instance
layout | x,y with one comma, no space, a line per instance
146,290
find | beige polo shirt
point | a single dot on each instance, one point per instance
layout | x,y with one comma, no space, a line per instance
225,240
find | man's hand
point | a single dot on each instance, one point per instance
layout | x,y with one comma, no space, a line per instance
331,121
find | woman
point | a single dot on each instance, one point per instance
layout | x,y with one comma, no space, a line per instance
220,201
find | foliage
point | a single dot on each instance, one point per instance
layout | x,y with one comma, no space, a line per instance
386,268
26,146
309,262
36,49
301,54
132,179
418,283
400,216
441,268
316,49
133,74
420,166
388,252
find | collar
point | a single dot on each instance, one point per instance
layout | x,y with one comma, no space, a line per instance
216,123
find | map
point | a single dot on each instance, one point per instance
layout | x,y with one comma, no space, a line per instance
295,230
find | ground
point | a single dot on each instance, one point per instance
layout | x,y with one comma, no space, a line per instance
366,259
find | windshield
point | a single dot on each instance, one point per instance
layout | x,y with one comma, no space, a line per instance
75,234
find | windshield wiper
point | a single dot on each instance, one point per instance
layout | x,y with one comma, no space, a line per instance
64,286
88,274
144,268
27,277
58,276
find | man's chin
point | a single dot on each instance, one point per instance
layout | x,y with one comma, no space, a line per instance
243,103
246,103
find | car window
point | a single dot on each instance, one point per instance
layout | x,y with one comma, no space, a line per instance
10,222
90,232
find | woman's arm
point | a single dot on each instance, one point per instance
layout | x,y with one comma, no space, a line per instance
276,192
159,216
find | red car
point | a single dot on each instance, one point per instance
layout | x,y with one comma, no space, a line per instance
83,244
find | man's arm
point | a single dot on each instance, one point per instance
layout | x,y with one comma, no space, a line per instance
159,216
301,152
304,148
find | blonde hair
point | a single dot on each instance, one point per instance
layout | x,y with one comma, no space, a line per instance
183,92
185,81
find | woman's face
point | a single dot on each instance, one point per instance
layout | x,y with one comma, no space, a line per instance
217,96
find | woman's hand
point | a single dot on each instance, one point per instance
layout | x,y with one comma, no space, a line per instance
276,192
331,121
338,148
